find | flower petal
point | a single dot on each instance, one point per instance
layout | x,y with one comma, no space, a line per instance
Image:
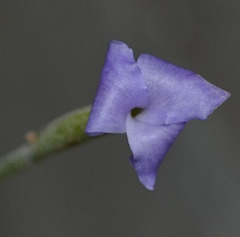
176,94
121,89
149,144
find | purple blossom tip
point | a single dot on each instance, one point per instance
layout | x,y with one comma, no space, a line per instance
169,96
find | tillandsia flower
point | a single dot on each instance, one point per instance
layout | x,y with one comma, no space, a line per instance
150,100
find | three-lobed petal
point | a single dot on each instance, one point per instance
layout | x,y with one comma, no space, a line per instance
169,95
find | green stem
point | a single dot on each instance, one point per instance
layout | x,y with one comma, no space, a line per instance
58,135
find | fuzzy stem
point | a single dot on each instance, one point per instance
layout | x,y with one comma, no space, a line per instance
60,134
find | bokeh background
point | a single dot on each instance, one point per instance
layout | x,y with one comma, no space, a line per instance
51,55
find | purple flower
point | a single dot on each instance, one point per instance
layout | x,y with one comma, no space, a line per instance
166,96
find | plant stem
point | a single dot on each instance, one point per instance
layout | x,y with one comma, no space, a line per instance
58,135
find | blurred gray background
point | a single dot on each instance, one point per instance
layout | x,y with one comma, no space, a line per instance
51,55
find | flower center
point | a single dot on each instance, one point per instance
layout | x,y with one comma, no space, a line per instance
136,111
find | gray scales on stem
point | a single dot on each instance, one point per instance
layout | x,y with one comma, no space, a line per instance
58,135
